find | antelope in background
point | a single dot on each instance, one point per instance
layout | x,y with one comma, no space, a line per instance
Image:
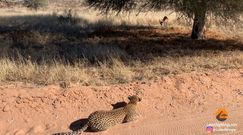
164,22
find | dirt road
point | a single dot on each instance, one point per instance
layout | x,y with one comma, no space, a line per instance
174,105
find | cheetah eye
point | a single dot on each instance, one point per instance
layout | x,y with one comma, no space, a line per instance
139,99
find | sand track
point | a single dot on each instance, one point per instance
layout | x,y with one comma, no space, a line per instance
173,105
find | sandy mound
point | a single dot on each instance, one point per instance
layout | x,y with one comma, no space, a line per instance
181,104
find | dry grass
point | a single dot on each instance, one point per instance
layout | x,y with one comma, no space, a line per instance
99,50
118,71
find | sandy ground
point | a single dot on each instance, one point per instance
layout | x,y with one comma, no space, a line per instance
174,105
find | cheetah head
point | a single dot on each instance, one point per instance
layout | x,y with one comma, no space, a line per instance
134,99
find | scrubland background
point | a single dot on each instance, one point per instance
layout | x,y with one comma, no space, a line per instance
56,45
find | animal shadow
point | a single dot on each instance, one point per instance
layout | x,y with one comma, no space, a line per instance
78,124
119,105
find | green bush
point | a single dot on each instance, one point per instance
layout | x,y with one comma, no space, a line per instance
36,4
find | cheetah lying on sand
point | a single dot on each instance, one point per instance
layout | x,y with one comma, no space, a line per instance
102,120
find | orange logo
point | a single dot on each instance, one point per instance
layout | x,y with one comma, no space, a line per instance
222,114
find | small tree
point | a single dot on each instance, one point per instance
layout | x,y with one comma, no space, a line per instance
225,10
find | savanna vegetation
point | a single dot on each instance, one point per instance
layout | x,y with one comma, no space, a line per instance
103,42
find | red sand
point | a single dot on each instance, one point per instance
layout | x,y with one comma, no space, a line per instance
174,105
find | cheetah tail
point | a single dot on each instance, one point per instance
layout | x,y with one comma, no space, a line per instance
77,132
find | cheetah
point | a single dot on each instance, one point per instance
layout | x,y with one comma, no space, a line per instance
102,120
